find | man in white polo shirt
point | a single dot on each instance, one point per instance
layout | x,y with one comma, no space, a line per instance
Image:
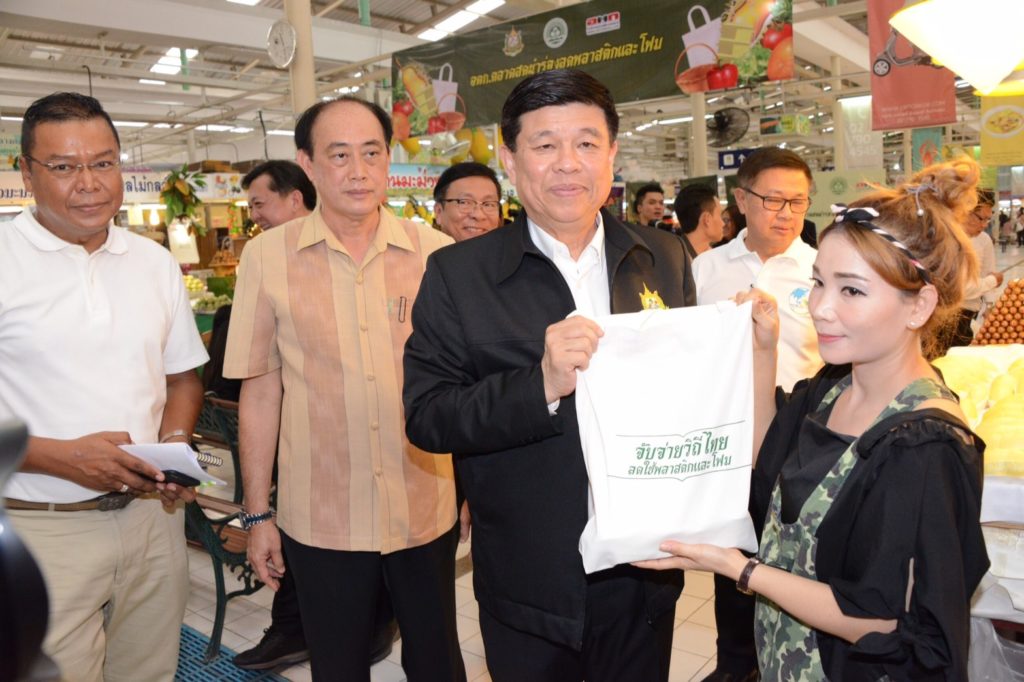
773,194
97,349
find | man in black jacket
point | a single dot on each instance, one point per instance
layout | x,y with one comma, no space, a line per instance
490,375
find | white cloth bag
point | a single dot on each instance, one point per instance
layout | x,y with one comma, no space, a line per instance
665,411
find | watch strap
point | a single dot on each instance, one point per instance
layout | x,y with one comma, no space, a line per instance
250,520
743,584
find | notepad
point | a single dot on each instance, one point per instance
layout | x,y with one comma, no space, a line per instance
176,456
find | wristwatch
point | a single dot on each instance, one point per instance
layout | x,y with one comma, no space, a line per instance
250,520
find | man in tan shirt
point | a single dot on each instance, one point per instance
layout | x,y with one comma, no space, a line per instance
321,315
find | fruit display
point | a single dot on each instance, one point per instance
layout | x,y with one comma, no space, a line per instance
990,383
224,263
210,303
195,286
1004,323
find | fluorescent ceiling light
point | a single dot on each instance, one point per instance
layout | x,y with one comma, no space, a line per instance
484,6
215,128
240,130
980,45
670,121
10,118
290,133
161,125
456,21
432,34
250,3
170,63
151,81
130,124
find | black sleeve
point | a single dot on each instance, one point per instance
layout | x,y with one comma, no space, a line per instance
689,286
918,530
448,408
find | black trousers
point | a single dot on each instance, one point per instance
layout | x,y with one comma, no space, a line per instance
734,616
338,595
620,643
286,619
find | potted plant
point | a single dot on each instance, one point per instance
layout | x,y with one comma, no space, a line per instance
179,197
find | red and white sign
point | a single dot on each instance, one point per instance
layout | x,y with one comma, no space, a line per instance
908,89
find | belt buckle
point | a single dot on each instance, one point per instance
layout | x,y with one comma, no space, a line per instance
114,501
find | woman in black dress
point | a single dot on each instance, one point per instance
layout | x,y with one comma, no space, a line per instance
868,481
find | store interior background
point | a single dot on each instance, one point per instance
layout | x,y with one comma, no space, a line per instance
231,107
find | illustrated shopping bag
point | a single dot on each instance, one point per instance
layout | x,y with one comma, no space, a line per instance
701,42
445,89
665,411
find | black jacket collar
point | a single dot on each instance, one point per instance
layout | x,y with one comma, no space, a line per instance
618,241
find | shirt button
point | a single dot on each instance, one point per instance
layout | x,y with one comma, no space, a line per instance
377,472
370,377
363,327
359,279
374,426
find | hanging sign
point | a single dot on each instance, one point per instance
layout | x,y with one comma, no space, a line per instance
909,90
677,45
1002,131
732,159
925,146
863,146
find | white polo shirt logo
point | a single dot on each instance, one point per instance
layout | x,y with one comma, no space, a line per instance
798,301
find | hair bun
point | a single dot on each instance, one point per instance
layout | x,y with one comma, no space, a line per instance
953,184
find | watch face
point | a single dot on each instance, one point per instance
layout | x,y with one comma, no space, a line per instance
281,41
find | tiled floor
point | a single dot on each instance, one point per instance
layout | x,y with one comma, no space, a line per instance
694,642
692,658
246,617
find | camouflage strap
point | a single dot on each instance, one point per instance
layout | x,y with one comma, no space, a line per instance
787,648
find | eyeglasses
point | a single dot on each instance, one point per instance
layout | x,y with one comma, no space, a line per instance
467,206
67,170
798,205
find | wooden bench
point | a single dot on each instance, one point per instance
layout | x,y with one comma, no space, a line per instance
208,525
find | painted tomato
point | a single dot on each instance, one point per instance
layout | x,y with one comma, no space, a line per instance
775,34
723,76
402,106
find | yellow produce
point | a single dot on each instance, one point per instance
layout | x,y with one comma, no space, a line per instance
1003,386
961,372
420,88
411,145
479,148
462,135
1002,429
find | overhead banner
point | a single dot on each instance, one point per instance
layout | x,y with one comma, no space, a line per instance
925,147
909,90
641,51
1002,131
863,146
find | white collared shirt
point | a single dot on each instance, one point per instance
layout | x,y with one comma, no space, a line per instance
587,276
721,273
87,340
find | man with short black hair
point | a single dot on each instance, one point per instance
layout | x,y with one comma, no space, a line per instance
278,191
321,315
99,350
700,218
490,374
649,204
467,201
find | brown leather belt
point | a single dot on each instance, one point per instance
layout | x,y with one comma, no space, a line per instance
108,502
